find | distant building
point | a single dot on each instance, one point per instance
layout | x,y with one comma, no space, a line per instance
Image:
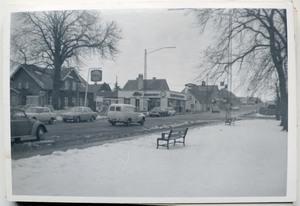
103,96
146,94
200,97
32,85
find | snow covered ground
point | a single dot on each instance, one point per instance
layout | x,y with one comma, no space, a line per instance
248,159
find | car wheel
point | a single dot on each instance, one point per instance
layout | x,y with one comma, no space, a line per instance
128,122
92,118
51,121
40,132
77,119
113,123
142,121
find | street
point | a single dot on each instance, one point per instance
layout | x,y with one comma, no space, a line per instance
64,136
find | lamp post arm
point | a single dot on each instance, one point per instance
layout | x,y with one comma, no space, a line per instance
155,50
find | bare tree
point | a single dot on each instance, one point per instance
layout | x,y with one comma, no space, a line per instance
54,38
253,41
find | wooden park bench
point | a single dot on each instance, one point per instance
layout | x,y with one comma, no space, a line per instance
173,136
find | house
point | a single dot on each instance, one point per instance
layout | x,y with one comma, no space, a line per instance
146,94
33,85
103,96
200,97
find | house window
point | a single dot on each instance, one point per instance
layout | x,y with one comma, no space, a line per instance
67,84
73,100
126,100
50,100
19,85
26,85
81,101
74,86
66,101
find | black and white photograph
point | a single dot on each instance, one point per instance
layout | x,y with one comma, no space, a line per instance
158,103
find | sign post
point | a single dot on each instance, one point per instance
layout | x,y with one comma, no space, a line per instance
96,76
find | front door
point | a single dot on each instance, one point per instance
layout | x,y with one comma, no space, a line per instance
137,104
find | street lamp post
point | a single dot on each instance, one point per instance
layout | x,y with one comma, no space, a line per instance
146,53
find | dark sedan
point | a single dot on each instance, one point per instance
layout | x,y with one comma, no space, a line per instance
25,128
79,114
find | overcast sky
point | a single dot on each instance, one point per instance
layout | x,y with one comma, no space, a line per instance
152,29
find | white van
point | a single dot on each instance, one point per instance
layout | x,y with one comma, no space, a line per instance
124,113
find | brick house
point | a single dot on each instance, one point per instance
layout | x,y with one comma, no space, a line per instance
32,85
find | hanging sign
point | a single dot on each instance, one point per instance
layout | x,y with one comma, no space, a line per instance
96,75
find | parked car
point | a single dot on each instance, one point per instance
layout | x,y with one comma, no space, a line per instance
215,109
43,114
235,108
78,114
24,127
269,110
171,111
124,113
158,112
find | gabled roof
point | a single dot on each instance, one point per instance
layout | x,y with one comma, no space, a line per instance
202,93
150,84
43,76
96,88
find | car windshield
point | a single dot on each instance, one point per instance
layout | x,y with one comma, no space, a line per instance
74,109
155,109
35,110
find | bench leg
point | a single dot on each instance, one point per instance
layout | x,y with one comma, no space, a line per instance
157,143
174,142
168,144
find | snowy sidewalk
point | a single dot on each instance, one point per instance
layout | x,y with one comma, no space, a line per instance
248,159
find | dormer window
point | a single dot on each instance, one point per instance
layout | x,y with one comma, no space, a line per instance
67,84
19,85
74,86
26,85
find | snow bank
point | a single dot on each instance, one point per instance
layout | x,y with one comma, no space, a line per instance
248,159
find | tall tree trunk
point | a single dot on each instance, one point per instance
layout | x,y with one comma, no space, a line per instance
56,84
284,104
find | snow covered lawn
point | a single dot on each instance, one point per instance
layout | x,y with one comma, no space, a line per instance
248,159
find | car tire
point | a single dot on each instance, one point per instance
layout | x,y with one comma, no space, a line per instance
128,122
51,121
113,123
142,122
77,120
40,131
92,119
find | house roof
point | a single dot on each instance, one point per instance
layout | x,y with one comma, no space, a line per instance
95,88
150,84
43,76
202,93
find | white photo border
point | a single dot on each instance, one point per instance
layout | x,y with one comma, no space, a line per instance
18,6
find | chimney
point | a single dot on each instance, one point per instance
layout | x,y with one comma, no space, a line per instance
203,83
140,81
154,78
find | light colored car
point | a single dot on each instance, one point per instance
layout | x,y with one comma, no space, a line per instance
215,109
171,111
43,114
25,128
158,112
79,114
235,108
124,113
